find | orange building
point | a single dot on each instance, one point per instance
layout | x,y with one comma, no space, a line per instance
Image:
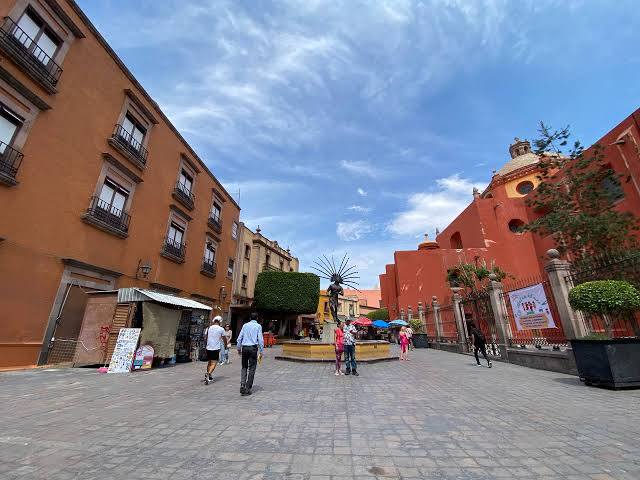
489,229
98,189
369,300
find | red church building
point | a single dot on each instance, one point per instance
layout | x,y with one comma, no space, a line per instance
490,228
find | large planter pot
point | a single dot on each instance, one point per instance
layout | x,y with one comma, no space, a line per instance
608,363
420,340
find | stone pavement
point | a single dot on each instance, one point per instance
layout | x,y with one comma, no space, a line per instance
436,416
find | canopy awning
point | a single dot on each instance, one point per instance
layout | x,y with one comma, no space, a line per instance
143,295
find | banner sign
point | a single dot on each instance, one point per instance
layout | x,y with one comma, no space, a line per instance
126,344
531,309
144,358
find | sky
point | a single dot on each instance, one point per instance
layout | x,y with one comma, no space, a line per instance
357,126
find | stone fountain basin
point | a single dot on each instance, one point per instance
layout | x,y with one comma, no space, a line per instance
367,351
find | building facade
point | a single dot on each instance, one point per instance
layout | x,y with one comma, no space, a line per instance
99,190
255,253
368,300
348,307
490,228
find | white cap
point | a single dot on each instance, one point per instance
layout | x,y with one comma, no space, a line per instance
217,318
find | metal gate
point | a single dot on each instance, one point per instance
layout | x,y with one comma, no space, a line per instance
476,309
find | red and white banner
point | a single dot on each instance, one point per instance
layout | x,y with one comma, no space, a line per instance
531,309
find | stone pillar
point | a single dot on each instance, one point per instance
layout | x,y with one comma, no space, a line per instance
436,317
561,283
409,313
402,314
457,311
500,317
421,317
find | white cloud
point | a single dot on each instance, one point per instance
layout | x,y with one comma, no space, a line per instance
350,231
361,192
435,209
360,167
359,209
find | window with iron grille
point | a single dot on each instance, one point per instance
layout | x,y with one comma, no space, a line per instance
234,230
34,34
185,182
216,211
209,252
135,132
10,124
176,234
244,281
230,268
112,198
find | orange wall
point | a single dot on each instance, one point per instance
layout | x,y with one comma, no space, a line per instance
41,216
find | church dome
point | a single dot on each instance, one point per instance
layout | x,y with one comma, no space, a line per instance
521,156
428,244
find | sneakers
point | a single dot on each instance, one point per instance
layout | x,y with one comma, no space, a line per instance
337,373
341,372
207,379
348,372
355,374
478,364
490,365
245,393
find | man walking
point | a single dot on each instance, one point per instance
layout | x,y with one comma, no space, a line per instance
478,343
249,342
215,341
350,348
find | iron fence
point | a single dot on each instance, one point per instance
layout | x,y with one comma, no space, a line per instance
476,307
448,325
10,160
130,144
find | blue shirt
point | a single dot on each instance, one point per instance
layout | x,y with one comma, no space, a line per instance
251,334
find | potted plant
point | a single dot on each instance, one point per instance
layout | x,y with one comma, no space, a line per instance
419,336
600,359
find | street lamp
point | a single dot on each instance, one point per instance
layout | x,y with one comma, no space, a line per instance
145,268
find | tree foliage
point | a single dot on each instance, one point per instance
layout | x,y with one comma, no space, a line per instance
287,292
474,277
416,325
380,314
576,196
605,297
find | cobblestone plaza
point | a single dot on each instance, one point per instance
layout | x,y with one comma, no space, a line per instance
436,416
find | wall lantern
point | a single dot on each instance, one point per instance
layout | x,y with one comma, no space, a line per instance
143,268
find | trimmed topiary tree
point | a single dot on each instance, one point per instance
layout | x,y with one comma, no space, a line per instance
380,314
287,292
605,297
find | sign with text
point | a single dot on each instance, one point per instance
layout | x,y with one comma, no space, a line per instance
125,348
531,309
144,358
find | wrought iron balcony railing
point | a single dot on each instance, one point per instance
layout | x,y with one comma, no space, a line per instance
109,215
23,48
215,224
208,267
183,194
130,144
174,249
10,160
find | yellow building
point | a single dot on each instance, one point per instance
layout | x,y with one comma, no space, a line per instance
348,307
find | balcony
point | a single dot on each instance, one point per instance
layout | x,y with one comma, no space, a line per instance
107,218
174,251
183,195
208,268
123,141
10,160
25,52
215,224
271,268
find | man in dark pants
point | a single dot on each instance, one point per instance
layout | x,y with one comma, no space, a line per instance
249,342
351,367
478,343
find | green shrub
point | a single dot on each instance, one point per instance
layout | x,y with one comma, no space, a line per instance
287,292
380,314
605,297
595,336
416,325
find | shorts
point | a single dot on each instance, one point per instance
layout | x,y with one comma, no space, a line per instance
213,355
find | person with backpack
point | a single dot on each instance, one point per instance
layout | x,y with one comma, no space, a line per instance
478,343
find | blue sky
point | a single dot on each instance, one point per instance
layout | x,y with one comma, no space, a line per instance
357,126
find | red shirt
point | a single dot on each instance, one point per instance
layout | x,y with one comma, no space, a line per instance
339,338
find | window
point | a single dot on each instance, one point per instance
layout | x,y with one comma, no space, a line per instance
176,234
234,230
516,226
326,307
612,188
113,197
523,188
244,281
185,183
134,132
351,311
247,251
10,123
456,241
36,37
230,268
282,265
209,252
215,212
268,260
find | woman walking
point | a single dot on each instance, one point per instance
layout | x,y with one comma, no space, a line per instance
338,338
404,344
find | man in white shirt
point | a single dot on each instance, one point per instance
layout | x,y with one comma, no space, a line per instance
249,342
215,341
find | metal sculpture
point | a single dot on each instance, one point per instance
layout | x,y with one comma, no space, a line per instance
338,276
